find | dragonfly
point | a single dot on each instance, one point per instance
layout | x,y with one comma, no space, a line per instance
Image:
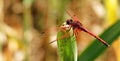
77,26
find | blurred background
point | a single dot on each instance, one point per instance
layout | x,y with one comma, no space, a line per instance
27,27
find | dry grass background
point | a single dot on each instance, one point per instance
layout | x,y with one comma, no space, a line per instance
27,26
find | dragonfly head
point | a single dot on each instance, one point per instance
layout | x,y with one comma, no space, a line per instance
69,21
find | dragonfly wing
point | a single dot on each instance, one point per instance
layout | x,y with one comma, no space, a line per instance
73,16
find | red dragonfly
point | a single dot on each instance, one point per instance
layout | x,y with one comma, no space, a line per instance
75,24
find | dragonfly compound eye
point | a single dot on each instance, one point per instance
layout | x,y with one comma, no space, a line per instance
69,21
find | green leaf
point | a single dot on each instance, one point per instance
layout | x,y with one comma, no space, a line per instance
67,47
96,47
